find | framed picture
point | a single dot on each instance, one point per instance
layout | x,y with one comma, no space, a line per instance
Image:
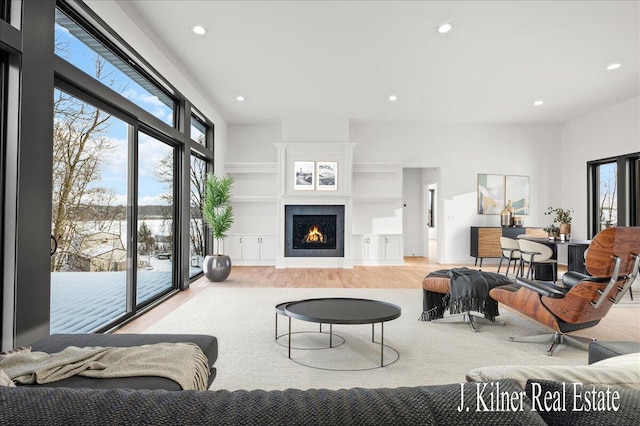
490,194
517,190
304,175
327,175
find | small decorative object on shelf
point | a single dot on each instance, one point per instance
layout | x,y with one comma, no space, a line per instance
553,231
563,217
506,216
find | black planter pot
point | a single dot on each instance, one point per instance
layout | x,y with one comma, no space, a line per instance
217,267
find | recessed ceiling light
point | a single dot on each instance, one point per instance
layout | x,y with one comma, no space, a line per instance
613,66
240,98
445,28
393,98
538,102
200,30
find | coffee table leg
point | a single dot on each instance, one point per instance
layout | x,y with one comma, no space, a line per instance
382,344
289,337
330,335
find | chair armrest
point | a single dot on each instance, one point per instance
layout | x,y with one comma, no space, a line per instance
543,288
572,278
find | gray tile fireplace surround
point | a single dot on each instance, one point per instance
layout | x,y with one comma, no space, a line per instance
317,210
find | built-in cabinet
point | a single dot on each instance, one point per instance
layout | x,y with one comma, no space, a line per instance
251,249
375,249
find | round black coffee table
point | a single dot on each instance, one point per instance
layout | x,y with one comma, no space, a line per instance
342,310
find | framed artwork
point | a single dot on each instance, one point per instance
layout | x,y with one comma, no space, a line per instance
517,190
304,175
490,194
327,175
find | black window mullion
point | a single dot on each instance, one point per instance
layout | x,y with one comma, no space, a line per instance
132,220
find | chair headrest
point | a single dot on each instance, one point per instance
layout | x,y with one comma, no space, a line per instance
622,241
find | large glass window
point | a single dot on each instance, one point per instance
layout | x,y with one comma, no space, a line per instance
89,224
614,191
197,240
86,52
607,181
156,217
117,180
198,131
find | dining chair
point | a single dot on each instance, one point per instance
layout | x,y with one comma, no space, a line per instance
510,250
534,254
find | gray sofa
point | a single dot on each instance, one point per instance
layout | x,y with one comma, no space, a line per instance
452,404
57,342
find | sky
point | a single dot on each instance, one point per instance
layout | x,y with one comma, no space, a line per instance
151,151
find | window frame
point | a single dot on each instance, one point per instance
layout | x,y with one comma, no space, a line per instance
82,85
628,177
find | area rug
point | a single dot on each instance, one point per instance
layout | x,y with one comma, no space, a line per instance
243,320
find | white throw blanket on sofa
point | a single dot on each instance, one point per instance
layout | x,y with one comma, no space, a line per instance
184,363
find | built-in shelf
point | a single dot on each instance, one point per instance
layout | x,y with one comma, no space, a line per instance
377,168
257,167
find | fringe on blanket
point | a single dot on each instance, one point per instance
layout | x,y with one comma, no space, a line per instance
437,311
462,305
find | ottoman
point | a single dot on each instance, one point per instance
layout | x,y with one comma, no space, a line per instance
471,293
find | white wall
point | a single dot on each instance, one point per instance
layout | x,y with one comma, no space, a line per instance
253,143
461,152
602,134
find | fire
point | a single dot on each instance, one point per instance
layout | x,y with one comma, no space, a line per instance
314,235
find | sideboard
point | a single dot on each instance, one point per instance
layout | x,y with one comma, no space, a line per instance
485,240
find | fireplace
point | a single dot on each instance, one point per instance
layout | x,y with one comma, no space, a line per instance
314,231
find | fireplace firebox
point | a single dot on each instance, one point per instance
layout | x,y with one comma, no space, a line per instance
314,231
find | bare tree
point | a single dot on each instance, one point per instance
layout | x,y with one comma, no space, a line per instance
197,177
608,200
80,147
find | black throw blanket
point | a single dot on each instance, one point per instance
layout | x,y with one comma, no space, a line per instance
469,292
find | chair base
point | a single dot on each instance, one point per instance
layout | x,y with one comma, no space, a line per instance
469,318
556,339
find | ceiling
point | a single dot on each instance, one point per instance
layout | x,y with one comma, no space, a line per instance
337,59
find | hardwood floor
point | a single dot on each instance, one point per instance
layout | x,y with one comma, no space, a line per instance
620,323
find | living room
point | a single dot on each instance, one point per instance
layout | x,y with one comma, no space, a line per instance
373,88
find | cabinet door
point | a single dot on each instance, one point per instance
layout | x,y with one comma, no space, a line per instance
233,247
250,247
268,247
394,247
376,247
489,242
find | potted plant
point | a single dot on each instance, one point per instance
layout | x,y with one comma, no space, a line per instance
563,217
552,230
219,216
